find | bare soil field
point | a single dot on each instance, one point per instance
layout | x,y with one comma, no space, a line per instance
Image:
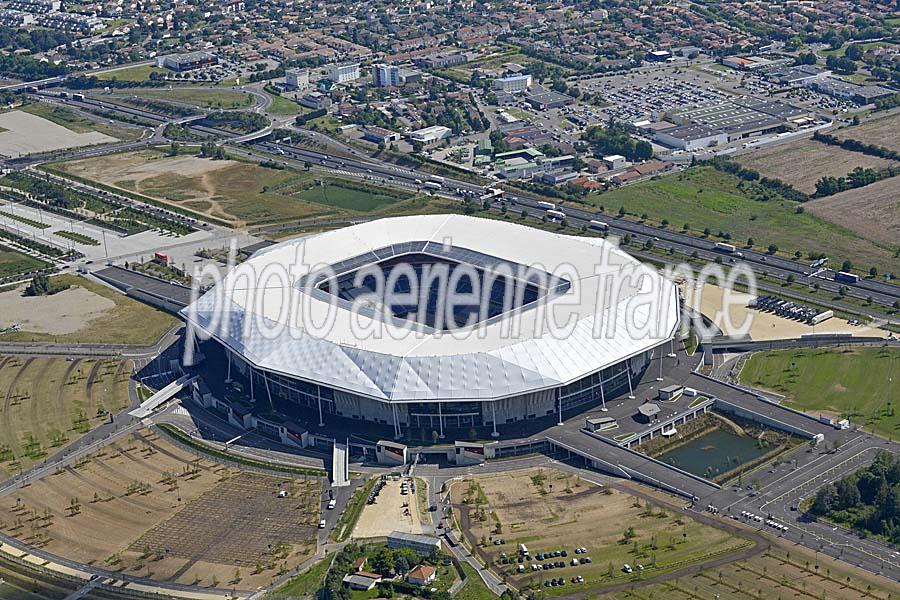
48,402
391,512
763,325
60,314
548,511
24,133
872,211
146,507
882,132
86,312
803,162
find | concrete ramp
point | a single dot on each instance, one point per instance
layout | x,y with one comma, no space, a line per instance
161,397
340,466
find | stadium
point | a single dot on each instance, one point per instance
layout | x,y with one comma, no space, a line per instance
540,324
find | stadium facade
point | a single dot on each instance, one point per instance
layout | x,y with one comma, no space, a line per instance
408,364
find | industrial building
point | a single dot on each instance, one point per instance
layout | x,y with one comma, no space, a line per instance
456,371
430,135
691,137
860,94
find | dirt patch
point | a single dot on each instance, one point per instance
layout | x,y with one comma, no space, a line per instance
65,312
391,512
24,133
873,211
804,162
763,325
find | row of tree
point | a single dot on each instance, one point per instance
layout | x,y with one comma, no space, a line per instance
858,177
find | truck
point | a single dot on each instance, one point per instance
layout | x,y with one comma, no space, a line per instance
723,247
556,215
437,179
546,205
492,194
432,185
846,277
79,97
600,225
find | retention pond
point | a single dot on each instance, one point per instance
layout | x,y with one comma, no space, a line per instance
715,453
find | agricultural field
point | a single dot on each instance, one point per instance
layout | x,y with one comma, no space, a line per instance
548,510
48,402
780,572
240,193
872,211
13,262
704,197
145,507
858,383
86,312
204,97
879,131
803,162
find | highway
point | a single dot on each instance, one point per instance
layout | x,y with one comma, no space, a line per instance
883,293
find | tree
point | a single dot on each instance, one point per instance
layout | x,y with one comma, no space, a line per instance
873,272
846,266
39,286
772,249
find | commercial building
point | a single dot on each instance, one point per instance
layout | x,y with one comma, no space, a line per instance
430,135
512,84
614,161
416,375
659,55
186,62
544,100
439,61
343,72
691,137
315,101
860,94
385,75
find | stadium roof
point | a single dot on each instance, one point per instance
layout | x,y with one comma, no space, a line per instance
458,365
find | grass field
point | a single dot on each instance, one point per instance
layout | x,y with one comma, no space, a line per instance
140,73
127,322
284,106
146,507
48,402
13,262
861,383
704,197
782,572
803,162
241,193
880,131
211,97
548,510
79,124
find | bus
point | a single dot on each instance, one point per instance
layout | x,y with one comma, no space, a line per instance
555,215
432,185
436,179
598,225
546,205
723,247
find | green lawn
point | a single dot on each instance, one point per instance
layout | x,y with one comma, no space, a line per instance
862,383
284,106
79,124
13,262
350,199
703,197
209,97
139,73
474,588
